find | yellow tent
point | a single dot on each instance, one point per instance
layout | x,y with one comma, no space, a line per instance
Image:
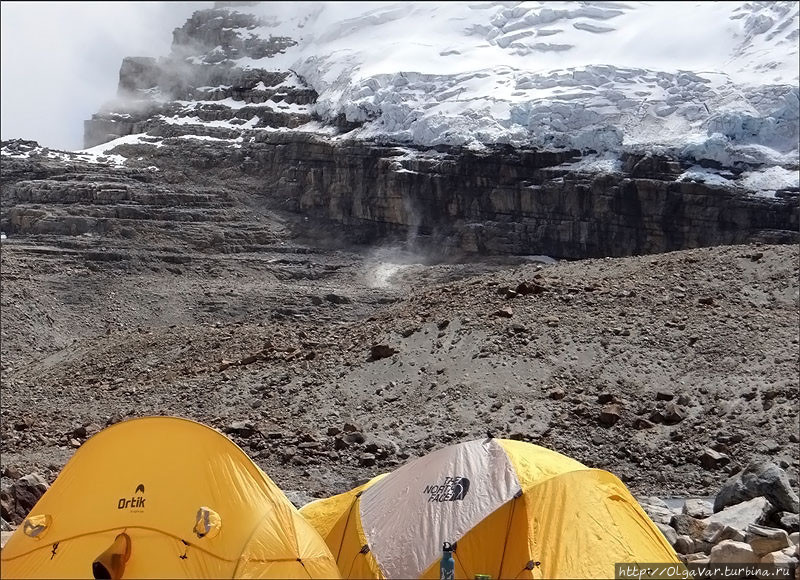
514,509
163,497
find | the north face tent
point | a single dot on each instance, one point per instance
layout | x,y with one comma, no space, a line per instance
164,498
514,510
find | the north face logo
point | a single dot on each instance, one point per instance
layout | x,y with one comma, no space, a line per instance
452,489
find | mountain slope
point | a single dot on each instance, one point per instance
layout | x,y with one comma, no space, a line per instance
713,84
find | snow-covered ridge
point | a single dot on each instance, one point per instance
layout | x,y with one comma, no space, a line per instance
21,149
703,81
589,75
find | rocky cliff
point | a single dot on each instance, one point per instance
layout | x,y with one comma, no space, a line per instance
200,138
447,202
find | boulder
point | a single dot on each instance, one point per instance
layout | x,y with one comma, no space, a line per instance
696,558
610,414
788,521
759,479
795,538
684,544
669,533
717,532
660,514
505,312
298,498
337,299
689,526
4,538
711,459
764,540
21,496
778,559
354,437
698,508
241,428
754,511
673,414
380,351
731,552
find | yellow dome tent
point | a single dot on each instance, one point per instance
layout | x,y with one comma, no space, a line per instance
163,497
514,510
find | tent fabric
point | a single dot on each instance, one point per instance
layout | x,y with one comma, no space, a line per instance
525,512
150,478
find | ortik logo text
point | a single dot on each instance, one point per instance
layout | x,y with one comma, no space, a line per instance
133,502
452,489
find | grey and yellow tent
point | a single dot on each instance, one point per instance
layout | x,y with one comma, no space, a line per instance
512,509
164,498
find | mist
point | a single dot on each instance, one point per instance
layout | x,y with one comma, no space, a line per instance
60,60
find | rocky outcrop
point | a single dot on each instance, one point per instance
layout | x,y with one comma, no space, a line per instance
504,201
200,68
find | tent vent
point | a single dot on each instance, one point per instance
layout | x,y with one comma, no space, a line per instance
35,526
207,523
364,549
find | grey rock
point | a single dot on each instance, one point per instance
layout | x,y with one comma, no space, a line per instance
241,428
658,513
731,552
711,459
4,525
764,540
795,538
696,558
697,508
652,500
505,312
610,414
337,299
689,526
12,472
298,498
716,532
380,351
779,559
669,533
366,460
788,521
673,413
759,479
739,516
354,437
18,500
4,536
684,544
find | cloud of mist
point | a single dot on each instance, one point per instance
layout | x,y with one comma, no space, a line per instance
60,60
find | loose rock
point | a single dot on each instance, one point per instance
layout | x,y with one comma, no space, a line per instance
764,540
697,508
755,511
730,552
759,479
